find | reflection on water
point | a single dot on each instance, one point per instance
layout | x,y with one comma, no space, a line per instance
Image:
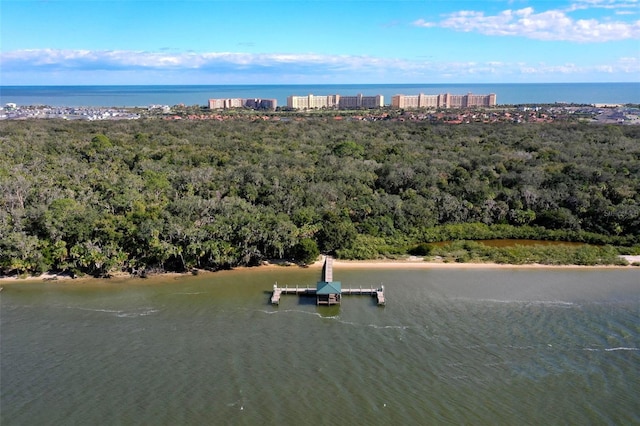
504,346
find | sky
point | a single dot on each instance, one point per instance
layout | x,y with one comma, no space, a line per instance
93,42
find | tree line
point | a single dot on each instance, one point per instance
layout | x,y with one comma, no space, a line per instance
98,197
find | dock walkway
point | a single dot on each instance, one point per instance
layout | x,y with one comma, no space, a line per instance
335,293
378,293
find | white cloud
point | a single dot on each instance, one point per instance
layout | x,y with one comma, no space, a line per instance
554,24
126,59
277,68
624,66
603,4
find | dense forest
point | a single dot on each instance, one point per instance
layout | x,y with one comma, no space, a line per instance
99,197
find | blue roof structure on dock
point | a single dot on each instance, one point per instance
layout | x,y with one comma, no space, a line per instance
327,291
331,287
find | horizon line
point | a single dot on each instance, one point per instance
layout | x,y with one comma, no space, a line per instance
317,84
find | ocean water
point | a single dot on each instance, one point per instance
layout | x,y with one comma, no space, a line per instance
120,96
499,347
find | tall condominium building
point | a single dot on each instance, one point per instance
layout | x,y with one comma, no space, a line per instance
252,103
310,101
335,101
445,100
360,101
261,103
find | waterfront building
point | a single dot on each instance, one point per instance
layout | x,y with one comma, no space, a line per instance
261,103
335,101
304,102
360,101
445,100
481,100
416,101
311,102
253,103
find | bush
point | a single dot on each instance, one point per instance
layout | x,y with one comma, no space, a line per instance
306,251
422,249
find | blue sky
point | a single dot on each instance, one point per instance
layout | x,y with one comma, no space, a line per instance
318,41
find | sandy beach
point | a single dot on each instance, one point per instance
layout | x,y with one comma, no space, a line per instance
418,263
414,262
411,262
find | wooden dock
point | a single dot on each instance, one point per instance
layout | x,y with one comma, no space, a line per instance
327,269
327,291
378,293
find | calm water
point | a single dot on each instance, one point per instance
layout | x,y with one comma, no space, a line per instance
451,347
198,95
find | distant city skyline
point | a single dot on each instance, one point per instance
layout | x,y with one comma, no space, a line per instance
60,42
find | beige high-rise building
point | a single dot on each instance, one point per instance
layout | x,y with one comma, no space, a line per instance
335,101
252,103
416,101
307,102
445,100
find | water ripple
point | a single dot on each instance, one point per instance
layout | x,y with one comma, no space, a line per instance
119,313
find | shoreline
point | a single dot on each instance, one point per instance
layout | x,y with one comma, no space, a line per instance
454,265
409,263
